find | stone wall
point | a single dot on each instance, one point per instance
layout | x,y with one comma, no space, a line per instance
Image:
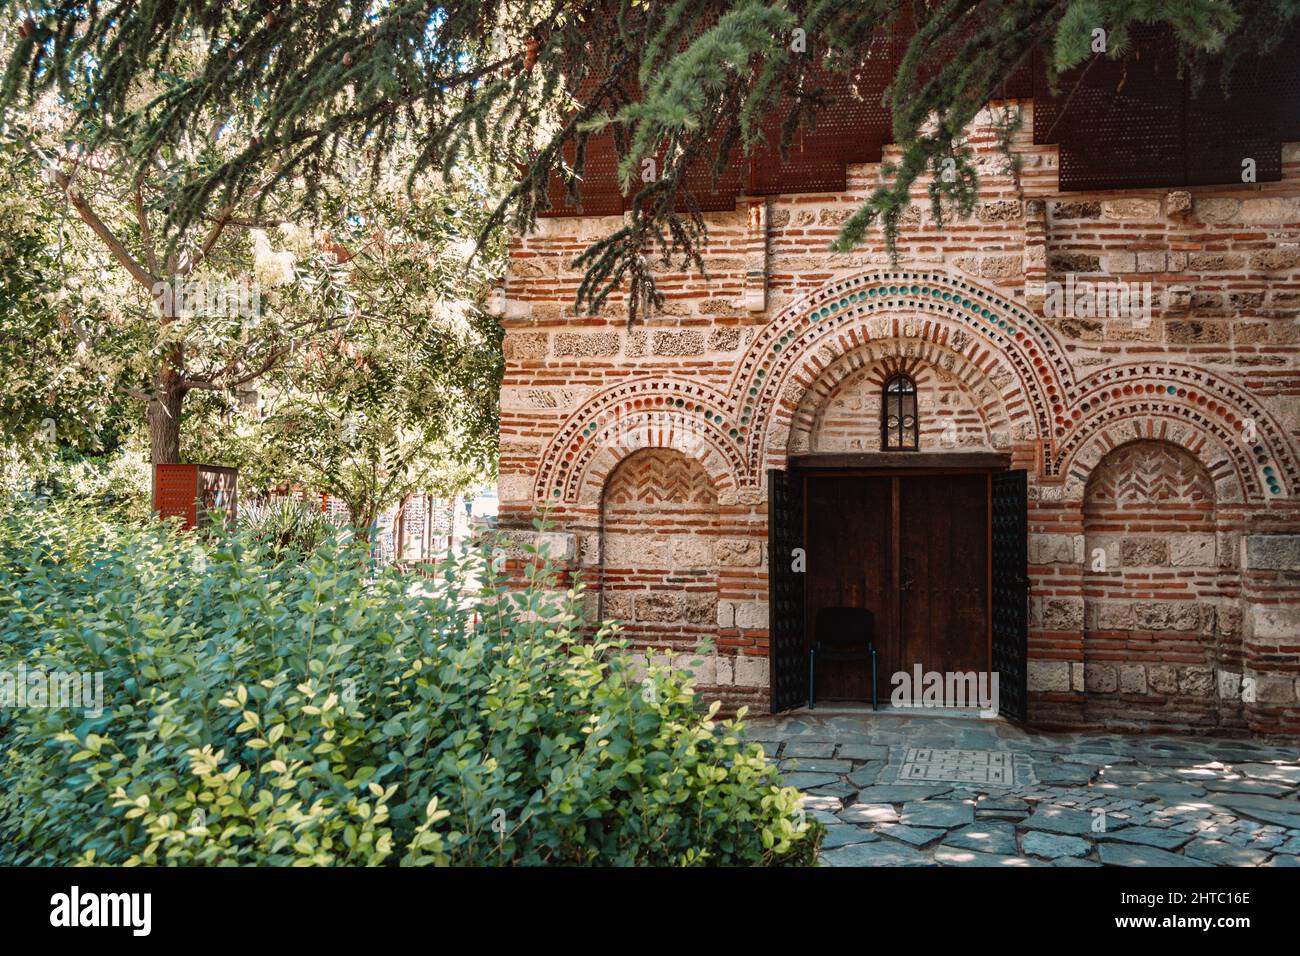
781,349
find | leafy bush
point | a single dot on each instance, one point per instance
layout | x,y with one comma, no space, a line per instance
116,481
320,712
286,524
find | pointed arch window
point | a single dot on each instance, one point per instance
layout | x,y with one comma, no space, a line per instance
899,429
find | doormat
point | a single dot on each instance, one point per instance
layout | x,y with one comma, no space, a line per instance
990,768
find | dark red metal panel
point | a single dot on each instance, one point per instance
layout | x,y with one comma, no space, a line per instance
176,492
1119,123
1130,123
195,493
1138,123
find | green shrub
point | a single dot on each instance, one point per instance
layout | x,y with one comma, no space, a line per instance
322,712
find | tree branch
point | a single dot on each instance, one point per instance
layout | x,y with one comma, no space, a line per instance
138,272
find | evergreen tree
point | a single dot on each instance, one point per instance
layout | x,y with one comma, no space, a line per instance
528,82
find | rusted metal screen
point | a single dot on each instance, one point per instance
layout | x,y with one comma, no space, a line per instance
1140,123
1132,123
196,494
176,492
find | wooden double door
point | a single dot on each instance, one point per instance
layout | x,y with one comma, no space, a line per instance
915,550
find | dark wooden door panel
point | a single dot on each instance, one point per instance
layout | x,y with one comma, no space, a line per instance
848,566
914,549
943,575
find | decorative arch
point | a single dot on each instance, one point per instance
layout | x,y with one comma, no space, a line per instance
990,343
688,417
1205,413
1153,655
659,558
994,334
922,360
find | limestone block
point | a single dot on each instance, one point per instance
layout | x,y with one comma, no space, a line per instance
1273,552
1167,615
558,546
1052,676
1052,549
1275,260
1115,617
724,339
1076,210
751,615
1275,624
737,552
1001,267
1152,261
1144,551
619,606
750,671
1130,208
524,345
1228,620
1001,210
1272,689
1062,614
1192,550
679,342
1076,677
1132,679
1218,209
1270,210
534,397
703,667
660,606
1061,262
1100,678
1162,678
586,344
726,614
1110,557
701,608
1178,204
691,550
515,487
1118,263
1197,681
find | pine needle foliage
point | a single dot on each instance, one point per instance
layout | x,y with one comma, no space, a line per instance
530,82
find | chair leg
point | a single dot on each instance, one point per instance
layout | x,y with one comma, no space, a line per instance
812,664
873,679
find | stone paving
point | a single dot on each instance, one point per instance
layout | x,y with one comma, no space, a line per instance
907,790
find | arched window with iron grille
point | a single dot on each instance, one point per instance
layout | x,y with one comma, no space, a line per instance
899,428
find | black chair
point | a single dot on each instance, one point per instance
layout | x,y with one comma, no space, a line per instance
842,634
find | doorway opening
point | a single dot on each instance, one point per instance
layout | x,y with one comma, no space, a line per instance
933,547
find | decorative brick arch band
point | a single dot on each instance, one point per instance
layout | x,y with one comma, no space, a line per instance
739,432
1207,414
988,330
689,417
922,359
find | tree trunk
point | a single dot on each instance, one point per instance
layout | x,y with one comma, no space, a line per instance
164,416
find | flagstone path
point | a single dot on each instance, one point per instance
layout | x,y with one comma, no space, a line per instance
906,790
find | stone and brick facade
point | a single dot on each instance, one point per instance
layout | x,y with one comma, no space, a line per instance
1163,451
